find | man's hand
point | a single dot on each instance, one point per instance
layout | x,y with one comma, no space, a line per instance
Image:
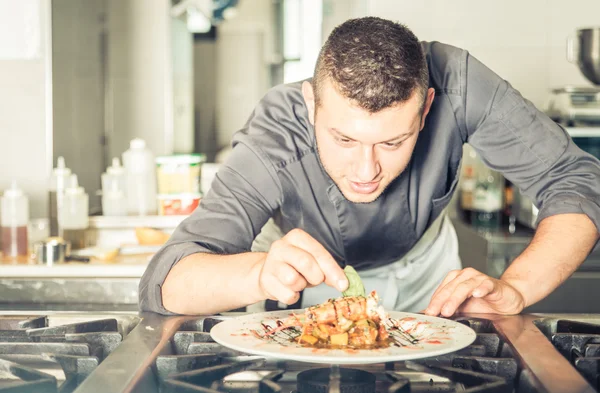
295,262
471,291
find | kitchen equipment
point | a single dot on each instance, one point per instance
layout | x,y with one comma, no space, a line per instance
52,351
584,50
573,105
179,174
54,251
152,354
579,104
14,221
141,179
429,336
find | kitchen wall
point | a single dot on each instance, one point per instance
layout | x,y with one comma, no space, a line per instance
139,62
78,72
205,91
522,41
26,98
245,50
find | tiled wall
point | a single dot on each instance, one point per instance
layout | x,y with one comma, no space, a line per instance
522,41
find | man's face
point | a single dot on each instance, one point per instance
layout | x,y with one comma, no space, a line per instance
364,152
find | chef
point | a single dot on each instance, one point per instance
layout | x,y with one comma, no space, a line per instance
356,167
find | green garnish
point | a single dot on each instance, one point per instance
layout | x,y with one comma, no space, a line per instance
355,285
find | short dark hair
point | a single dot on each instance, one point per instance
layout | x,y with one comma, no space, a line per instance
374,62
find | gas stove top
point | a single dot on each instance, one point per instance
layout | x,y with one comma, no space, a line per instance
124,353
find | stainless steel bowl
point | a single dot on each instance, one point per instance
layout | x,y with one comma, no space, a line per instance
52,251
585,51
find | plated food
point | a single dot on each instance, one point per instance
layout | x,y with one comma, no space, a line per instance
353,322
351,329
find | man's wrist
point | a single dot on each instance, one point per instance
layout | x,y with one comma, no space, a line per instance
255,289
520,286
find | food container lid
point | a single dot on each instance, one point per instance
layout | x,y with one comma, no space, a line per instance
188,195
180,159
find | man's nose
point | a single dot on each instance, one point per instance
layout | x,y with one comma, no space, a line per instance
368,165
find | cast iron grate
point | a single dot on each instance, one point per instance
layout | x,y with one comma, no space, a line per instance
579,342
31,352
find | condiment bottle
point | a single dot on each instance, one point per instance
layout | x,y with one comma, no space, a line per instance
75,214
114,183
141,179
75,207
14,219
61,176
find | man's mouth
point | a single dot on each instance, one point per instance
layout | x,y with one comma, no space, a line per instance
364,188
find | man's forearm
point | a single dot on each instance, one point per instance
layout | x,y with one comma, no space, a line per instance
208,283
560,245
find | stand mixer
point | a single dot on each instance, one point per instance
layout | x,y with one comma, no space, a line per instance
576,105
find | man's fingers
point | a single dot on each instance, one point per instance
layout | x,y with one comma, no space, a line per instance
445,291
305,264
449,277
484,289
334,275
280,292
462,292
291,278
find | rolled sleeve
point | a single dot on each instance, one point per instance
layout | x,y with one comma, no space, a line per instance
537,155
243,196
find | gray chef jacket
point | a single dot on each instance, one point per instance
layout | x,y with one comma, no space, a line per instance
274,171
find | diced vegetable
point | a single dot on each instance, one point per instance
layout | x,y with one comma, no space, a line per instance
362,322
320,333
312,340
345,324
339,339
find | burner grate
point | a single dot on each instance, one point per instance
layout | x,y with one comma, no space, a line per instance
35,357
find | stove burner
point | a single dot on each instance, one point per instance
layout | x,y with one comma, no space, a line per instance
28,343
334,379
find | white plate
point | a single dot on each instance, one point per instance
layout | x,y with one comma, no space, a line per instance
435,336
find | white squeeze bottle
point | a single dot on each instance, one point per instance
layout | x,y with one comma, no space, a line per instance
141,179
14,219
75,207
58,182
114,184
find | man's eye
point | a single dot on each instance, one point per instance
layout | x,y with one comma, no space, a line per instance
343,141
392,144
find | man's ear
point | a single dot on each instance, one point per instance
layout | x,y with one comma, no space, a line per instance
427,105
309,99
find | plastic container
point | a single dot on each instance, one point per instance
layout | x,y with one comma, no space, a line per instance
59,180
14,219
140,179
179,174
75,207
114,183
178,204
